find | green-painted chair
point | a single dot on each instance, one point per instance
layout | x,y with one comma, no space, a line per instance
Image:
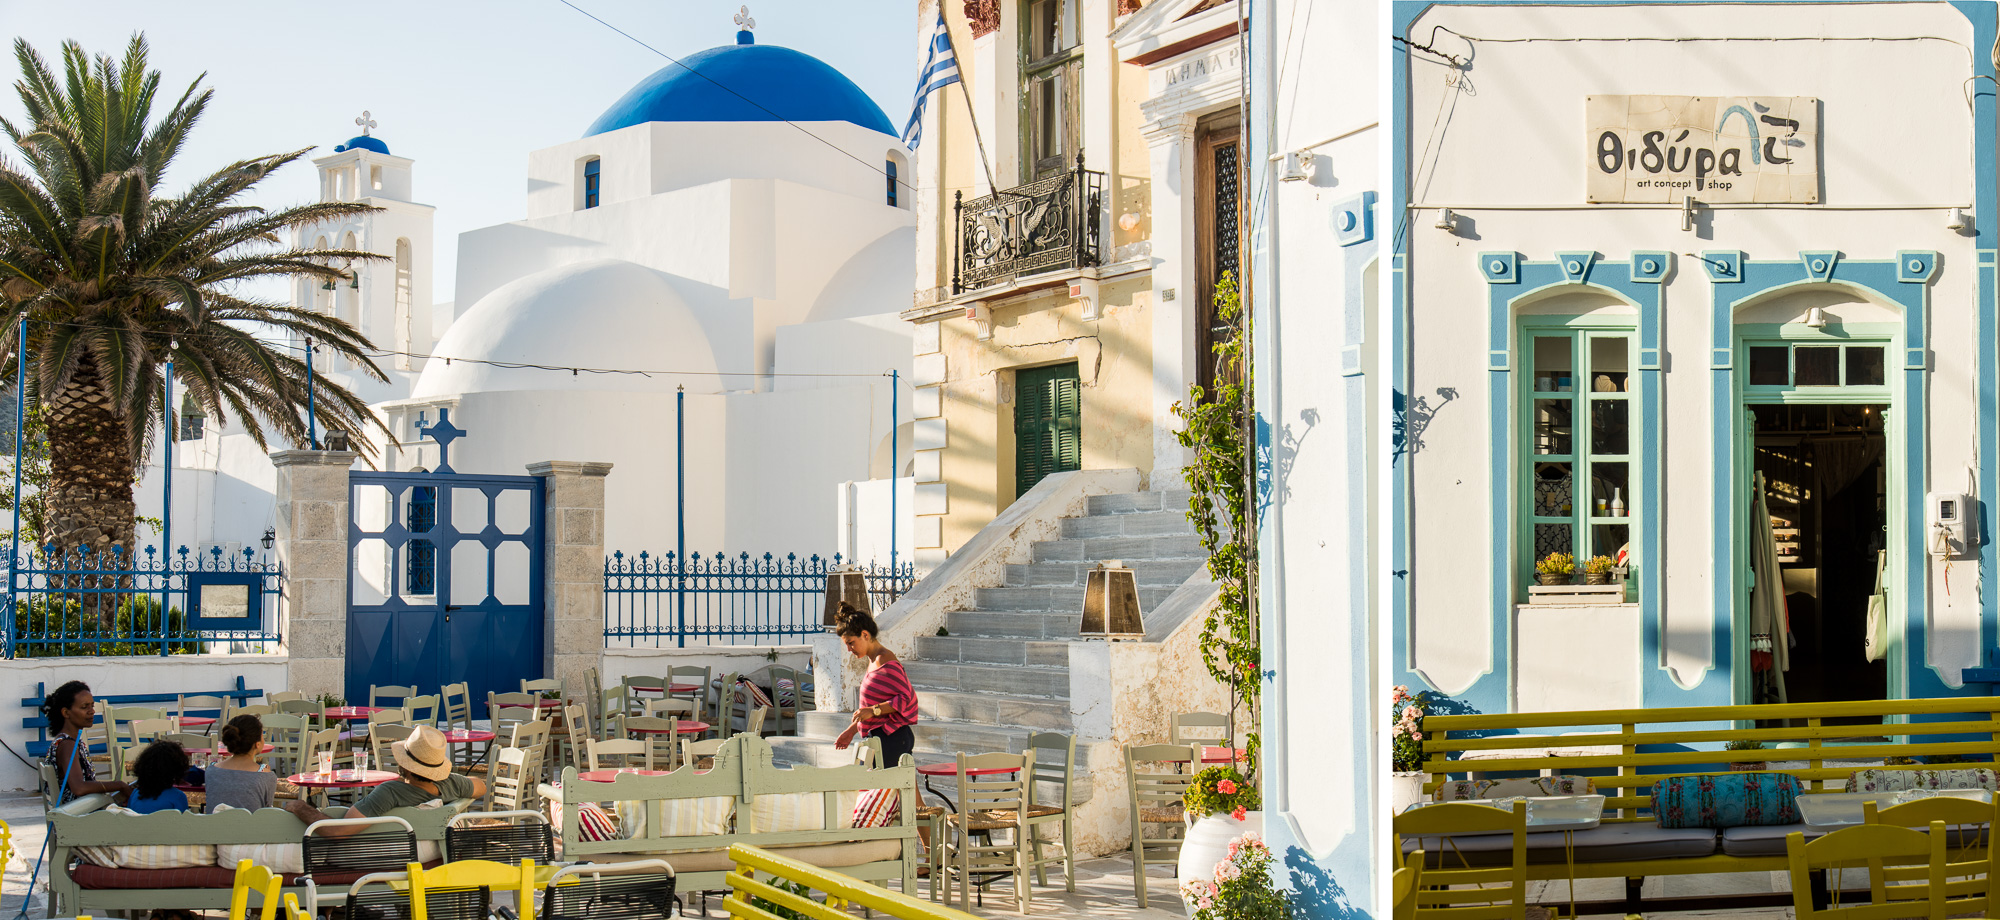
1054,773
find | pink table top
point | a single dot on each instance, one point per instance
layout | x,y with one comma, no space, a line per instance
605,776
460,736
951,769
341,779
1223,754
351,712
268,748
196,721
683,726
545,704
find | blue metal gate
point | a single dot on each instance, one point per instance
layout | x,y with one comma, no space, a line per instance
444,578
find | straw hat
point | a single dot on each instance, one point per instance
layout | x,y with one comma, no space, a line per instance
424,753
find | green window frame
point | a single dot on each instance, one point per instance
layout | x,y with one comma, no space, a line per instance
1048,423
1576,370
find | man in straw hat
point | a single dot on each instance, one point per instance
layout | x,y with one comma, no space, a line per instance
424,760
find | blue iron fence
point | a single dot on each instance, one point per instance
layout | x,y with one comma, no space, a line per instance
84,602
744,600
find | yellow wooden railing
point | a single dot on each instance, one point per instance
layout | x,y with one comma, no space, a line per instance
842,892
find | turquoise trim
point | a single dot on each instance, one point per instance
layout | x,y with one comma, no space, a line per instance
1986,210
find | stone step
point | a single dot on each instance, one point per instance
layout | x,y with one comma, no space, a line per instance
1139,502
1135,524
1011,624
993,709
1056,599
1045,654
1049,683
1155,572
1127,549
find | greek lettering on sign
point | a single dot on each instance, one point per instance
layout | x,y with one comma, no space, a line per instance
1656,149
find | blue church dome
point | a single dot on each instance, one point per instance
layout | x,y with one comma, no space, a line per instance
783,84
363,142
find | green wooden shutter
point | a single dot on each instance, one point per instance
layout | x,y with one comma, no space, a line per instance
1048,424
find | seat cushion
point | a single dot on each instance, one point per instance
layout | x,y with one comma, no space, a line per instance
1767,840
99,878
823,855
1604,843
1719,800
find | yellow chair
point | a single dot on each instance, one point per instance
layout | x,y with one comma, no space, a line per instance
1403,887
495,877
292,910
1498,892
1872,847
1967,821
251,877
6,848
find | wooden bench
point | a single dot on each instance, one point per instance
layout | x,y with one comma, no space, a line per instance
39,722
1643,746
86,888
743,771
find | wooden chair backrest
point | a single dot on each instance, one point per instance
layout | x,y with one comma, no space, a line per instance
497,877
618,752
389,694
1492,893
382,736
1198,728
1967,823
254,879
1056,773
422,710
457,705
1872,847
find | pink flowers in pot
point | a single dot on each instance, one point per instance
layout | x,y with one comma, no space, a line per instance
1221,790
1242,887
1406,734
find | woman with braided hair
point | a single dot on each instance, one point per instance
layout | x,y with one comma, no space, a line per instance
70,710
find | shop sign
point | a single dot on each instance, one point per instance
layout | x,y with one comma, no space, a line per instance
1719,149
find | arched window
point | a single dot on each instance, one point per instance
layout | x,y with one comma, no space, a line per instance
591,180
405,333
889,169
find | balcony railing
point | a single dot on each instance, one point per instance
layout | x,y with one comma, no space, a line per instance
1043,226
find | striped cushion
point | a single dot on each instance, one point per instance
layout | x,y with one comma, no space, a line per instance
878,808
708,817
798,811
593,824
150,856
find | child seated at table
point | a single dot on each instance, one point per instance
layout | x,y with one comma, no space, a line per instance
242,781
161,765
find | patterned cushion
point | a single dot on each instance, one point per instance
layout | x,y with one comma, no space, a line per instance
707,817
878,808
1562,785
151,856
1455,790
1726,800
593,824
1887,780
797,811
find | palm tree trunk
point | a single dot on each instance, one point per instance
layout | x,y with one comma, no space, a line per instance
89,503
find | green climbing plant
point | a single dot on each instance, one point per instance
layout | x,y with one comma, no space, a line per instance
1215,430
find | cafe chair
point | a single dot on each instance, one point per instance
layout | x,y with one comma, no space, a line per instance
1156,802
1967,823
619,753
986,803
387,696
1496,888
641,889
471,889
1060,811
1873,848
1403,888
389,845
254,879
1199,728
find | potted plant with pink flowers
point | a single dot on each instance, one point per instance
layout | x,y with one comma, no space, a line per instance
1240,887
1220,806
1406,746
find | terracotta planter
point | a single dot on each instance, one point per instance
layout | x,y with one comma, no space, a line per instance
1553,578
1207,842
1597,578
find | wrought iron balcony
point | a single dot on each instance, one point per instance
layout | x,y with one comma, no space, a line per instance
1043,226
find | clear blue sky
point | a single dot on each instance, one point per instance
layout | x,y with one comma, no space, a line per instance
464,87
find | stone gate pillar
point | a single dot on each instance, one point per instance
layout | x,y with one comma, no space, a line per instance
312,545
573,568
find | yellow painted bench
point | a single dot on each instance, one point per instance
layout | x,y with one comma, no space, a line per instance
841,892
1642,746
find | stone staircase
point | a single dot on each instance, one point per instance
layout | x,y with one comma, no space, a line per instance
1002,671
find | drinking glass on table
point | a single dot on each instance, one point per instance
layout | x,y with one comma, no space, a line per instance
360,763
326,763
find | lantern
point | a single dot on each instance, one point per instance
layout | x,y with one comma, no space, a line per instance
1111,603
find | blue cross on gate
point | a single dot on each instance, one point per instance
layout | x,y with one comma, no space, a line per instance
444,432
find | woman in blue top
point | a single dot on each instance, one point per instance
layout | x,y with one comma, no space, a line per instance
160,766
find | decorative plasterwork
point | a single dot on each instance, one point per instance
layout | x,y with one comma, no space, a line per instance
983,16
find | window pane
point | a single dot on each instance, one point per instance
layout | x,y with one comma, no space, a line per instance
1608,539
1818,365
1552,490
1609,433
1043,23
1553,364
1609,363
1552,426
1554,538
1768,367
1610,489
1864,366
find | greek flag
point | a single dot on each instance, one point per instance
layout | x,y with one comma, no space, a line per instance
940,71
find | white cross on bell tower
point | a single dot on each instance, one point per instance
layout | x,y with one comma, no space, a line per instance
366,122
743,26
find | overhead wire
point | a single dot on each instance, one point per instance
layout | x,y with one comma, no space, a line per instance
725,88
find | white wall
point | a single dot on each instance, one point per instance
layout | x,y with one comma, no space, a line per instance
1511,158
118,676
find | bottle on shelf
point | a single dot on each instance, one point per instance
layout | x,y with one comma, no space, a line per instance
1617,502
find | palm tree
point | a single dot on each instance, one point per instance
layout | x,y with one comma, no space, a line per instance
115,278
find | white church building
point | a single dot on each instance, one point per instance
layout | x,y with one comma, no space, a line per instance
735,231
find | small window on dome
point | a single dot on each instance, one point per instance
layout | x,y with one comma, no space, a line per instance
889,170
591,187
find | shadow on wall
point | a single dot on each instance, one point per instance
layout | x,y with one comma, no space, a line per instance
1277,453
1316,894
1411,418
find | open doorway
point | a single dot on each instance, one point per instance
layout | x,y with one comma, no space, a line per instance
1824,477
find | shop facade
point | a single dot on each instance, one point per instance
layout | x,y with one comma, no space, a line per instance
1672,292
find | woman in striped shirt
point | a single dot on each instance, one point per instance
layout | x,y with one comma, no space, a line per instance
888,703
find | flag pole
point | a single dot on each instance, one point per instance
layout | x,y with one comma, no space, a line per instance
972,115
